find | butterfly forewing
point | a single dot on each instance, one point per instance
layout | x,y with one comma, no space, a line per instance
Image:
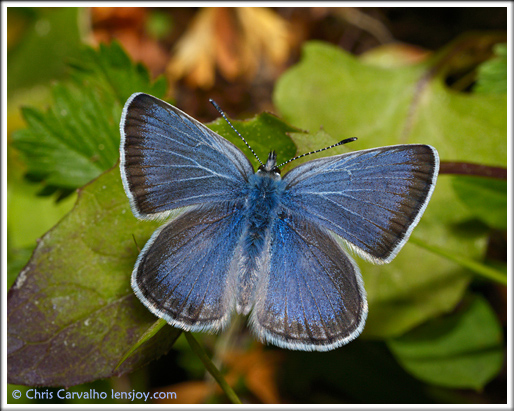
371,198
169,160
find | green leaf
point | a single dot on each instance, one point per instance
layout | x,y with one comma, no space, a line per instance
17,258
73,142
265,131
78,138
332,89
380,106
486,198
52,35
23,225
483,270
462,350
492,74
110,68
159,23
149,333
71,312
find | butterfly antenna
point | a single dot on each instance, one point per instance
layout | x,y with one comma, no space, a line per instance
346,140
233,128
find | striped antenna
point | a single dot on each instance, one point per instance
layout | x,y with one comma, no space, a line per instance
347,140
233,128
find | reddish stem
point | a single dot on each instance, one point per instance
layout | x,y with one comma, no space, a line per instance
470,169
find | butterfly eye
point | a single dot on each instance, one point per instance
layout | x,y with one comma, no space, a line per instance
274,172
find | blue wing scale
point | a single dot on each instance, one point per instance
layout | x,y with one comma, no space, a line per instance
373,199
311,296
187,271
170,161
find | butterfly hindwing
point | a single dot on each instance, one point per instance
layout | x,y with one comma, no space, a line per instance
169,160
371,198
311,295
186,272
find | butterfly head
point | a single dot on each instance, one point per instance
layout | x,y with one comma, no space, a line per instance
270,168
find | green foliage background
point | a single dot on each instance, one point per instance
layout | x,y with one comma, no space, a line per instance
72,302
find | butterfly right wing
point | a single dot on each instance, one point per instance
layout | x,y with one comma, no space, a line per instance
187,271
373,198
310,295
168,160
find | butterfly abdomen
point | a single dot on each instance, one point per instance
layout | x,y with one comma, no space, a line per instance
262,201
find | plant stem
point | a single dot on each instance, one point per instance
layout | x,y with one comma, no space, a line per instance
477,268
200,352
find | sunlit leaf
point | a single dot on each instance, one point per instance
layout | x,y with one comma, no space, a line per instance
73,142
488,272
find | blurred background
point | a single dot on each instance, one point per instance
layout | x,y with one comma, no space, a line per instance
235,56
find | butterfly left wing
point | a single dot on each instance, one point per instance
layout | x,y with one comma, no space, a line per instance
373,198
186,272
168,160
310,295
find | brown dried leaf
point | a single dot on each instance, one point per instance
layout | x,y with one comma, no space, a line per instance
194,53
237,41
258,368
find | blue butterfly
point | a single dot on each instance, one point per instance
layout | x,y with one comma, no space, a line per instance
258,243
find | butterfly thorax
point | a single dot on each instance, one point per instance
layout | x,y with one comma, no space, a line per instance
265,192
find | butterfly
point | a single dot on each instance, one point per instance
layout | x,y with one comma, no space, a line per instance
257,243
